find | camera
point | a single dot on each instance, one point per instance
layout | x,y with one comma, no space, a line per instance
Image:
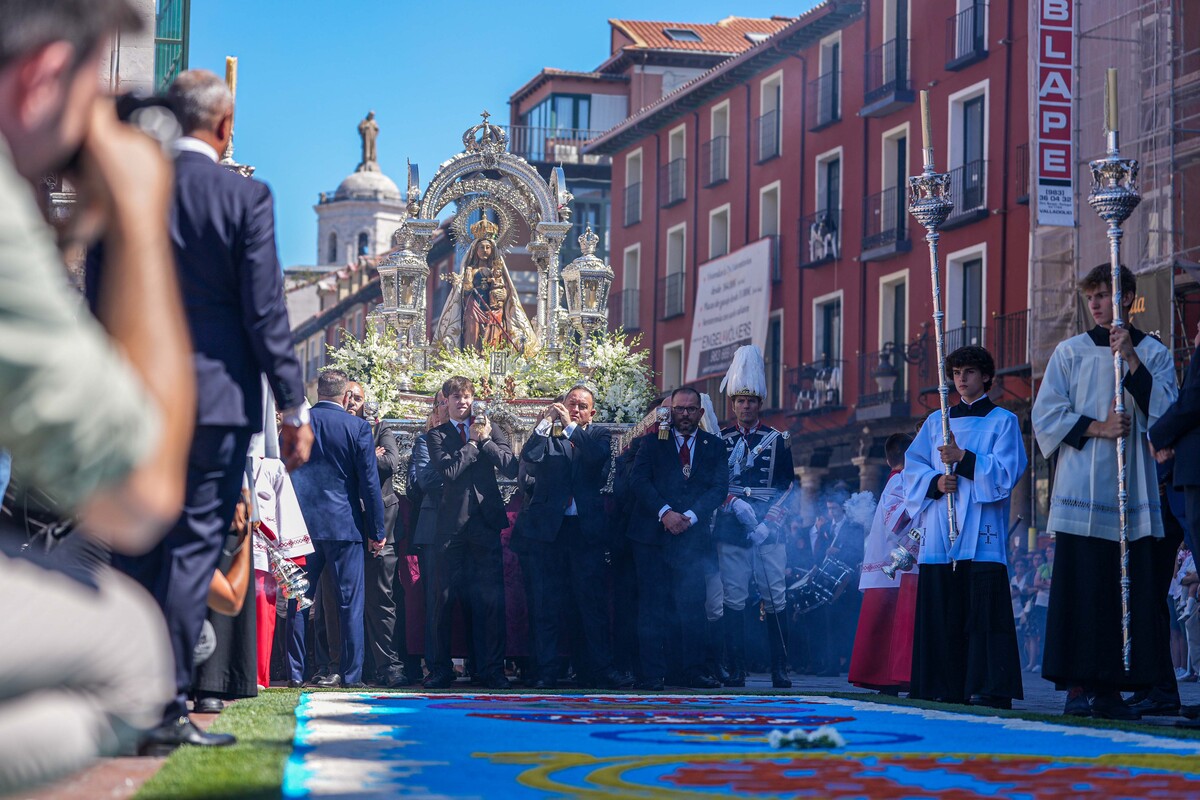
152,114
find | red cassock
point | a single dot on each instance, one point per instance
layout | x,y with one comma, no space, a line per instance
882,657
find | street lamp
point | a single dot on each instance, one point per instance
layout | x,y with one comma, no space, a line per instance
587,280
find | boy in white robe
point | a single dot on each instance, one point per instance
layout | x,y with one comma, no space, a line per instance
965,642
1074,420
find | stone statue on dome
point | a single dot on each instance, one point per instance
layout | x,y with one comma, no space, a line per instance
483,309
368,131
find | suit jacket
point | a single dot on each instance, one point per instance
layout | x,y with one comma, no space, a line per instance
657,480
1179,427
564,469
222,228
469,488
387,465
427,480
338,488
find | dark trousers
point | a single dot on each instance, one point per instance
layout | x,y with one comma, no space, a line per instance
178,571
567,575
346,561
470,568
1166,687
670,580
624,607
379,572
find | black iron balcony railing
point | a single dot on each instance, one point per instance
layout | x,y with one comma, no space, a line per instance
672,182
1008,341
714,157
881,378
825,100
817,387
766,137
628,305
968,189
553,145
672,295
887,70
965,42
885,218
820,237
955,338
633,204
1022,174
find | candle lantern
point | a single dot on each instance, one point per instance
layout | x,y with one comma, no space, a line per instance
587,280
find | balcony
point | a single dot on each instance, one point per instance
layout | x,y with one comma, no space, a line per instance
825,100
820,237
955,338
633,204
882,385
1022,174
965,42
816,388
672,182
1008,342
766,137
968,190
885,225
714,157
671,289
553,145
628,305
887,87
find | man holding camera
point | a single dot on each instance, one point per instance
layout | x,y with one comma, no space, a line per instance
466,559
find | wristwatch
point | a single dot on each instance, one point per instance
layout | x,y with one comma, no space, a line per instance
297,417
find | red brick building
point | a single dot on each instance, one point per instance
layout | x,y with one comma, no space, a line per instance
807,138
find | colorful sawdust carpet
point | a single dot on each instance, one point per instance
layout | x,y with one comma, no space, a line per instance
513,745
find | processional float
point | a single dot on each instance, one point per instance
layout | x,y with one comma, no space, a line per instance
1114,195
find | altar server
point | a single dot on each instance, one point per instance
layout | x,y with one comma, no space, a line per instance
1073,418
965,642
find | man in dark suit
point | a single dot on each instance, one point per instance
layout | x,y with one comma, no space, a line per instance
223,232
679,482
564,531
425,491
338,490
385,601
465,558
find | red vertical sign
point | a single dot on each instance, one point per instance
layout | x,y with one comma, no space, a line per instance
1054,162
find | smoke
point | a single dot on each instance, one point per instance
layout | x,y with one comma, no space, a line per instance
860,509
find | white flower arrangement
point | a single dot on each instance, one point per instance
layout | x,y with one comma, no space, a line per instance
371,362
825,736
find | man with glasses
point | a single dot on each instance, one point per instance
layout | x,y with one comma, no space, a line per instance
679,480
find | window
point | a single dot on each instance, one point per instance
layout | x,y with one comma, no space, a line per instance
170,41
895,176
633,187
829,84
331,255
893,309
674,281
825,229
969,26
968,152
364,244
773,360
966,274
561,113
672,371
301,351
631,284
358,329
718,232
716,155
316,355
827,333
768,210
674,187
771,104
681,35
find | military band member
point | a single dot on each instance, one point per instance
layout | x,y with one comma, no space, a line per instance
760,471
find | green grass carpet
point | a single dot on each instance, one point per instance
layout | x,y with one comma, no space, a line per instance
250,770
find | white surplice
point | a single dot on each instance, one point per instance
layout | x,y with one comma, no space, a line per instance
889,525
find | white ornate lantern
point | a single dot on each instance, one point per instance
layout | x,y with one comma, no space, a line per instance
587,280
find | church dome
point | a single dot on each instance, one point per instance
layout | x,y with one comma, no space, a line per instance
367,185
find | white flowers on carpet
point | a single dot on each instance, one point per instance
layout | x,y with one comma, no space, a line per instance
800,739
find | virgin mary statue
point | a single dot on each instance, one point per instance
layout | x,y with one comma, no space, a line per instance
483,309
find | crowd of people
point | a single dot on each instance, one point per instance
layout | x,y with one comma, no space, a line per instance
165,517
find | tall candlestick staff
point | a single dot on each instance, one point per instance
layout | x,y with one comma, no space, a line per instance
930,202
1114,195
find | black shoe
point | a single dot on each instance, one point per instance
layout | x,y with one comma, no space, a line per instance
1077,706
1111,706
208,705
1191,712
295,684
650,685
326,681
166,737
735,679
701,681
545,684
1192,724
354,685
991,701
439,680
497,681
1151,707
720,673
611,679
395,678
780,680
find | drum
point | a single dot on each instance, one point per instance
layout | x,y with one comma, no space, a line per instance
823,584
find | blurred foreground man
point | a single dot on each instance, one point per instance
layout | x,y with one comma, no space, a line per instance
101,422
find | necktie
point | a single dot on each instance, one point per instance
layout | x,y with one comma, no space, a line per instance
462,431
685,455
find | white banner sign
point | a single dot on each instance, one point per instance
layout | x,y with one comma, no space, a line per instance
733,303
1054,160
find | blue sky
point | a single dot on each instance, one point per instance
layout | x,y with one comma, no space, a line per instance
308,71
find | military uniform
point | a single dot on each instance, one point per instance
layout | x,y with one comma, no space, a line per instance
760,471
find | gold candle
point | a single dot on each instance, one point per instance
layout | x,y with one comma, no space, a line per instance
926,130
231,74
1110,106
